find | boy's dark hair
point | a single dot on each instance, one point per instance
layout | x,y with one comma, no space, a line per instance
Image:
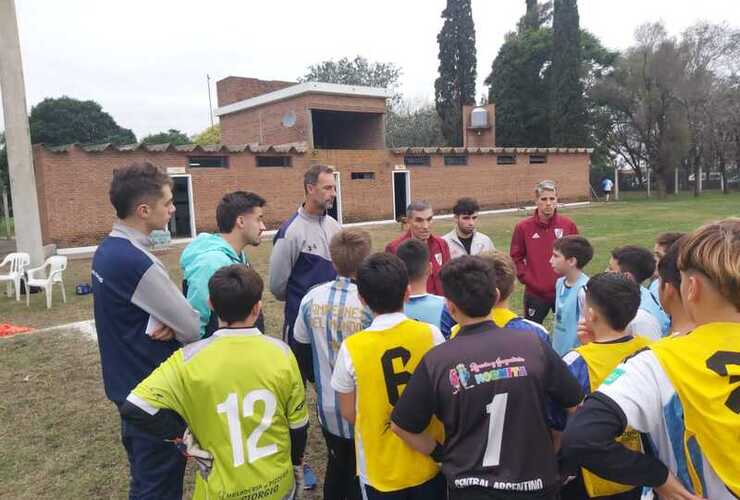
234,290
382,282
134,184
637,261
465,206
616,297
668,266
348,248
232,205
575,246
665,240
469,282
415,255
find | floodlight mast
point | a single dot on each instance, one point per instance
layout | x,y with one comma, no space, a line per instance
18,138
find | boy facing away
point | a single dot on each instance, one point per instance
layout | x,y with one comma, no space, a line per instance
611,302
328,314
240,393
421,305
502,315
371,372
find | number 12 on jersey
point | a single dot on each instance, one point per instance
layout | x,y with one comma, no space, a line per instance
497,411
231,408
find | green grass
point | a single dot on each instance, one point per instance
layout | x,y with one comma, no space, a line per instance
60,435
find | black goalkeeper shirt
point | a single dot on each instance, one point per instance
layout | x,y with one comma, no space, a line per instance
489,387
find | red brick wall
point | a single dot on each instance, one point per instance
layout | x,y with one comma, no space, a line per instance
236,88
73,186
263,124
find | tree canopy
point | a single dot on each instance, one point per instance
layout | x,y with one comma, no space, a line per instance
172,136
455,85
211,135
64,120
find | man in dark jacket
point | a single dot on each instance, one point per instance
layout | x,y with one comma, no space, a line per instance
531,249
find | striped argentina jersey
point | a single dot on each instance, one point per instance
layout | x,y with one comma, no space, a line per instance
683,393
328,314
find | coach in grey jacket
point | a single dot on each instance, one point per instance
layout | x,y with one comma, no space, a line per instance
464,239
300,257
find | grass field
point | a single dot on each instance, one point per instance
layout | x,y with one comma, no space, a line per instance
59,434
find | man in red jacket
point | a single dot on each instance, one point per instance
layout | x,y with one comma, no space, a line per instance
419,218
531,249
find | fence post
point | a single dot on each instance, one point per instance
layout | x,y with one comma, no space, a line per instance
675,181
616,183
648,181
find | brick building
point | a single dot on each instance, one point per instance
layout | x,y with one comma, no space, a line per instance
272,132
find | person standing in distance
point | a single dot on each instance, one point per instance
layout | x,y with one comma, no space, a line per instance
141,318
607,185
464,239
531,249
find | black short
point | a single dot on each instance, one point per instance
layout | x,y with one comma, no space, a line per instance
536,309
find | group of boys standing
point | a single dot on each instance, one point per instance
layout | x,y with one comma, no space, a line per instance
428,385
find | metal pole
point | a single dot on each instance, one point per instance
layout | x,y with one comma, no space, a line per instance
648,181
675,181
210,104
700,183
18,138
616,183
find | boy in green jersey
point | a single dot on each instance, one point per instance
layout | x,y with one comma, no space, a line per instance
240,393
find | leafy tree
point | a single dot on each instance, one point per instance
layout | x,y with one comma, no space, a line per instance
519,84
567,106
357,71
413,126
65,120
211,135
455,86
172,136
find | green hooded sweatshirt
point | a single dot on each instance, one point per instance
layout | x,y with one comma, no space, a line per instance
205,255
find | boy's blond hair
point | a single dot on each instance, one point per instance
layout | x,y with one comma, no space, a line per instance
504,269
714,251
348,248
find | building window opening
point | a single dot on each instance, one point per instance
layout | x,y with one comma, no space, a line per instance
211,161
417,160
358,176
273,161
456,160
347,130
537,159
506,160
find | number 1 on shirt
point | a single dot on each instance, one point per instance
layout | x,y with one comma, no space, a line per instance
497,410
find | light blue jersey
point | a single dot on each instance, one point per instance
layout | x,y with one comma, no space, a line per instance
328,314
568,308
649,303
431,309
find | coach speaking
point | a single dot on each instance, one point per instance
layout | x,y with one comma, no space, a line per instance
531,248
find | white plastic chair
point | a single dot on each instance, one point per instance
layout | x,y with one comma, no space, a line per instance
18,262
56,264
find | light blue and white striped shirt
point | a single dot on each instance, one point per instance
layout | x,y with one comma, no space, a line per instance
328,314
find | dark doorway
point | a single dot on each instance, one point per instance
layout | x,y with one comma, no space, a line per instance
401,190
180,224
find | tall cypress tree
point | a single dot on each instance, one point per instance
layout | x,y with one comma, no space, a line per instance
567,105
457,69
532,17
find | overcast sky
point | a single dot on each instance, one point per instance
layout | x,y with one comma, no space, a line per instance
146,62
